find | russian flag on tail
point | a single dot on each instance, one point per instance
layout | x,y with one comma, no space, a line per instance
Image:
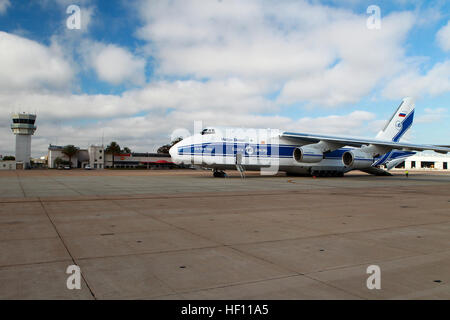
402,115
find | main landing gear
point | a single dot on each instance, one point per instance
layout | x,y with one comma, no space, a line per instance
326,173
219,174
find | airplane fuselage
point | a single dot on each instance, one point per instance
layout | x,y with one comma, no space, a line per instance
263,150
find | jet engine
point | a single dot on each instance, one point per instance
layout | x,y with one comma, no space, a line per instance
307,154
357,159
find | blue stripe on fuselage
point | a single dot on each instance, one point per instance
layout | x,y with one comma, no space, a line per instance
264,150
250,150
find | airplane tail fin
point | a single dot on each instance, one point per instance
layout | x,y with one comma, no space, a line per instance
399,123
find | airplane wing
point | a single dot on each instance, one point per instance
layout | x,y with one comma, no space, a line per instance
305,138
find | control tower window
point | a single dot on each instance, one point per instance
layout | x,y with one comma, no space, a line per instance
208,131
27,121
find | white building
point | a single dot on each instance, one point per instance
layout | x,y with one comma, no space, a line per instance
55,152
96,157
426,161
7,165
93,156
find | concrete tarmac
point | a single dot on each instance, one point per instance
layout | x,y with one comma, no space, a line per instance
185,235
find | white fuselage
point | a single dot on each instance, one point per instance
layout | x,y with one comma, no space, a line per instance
261,149
253,149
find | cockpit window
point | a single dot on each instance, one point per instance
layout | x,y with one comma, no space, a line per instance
208,131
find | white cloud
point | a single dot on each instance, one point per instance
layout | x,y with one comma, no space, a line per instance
443,37
87,14
232,96
66,107
4,4
411,83
306,50
114,64
349,124
428,16
28,65
432,115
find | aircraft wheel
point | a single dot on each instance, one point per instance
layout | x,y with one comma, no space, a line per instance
219,174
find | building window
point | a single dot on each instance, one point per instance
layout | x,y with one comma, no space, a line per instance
100,157
427,164
401,165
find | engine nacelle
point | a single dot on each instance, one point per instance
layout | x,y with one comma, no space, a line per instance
307,154
357,159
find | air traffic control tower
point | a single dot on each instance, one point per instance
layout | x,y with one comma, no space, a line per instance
23,127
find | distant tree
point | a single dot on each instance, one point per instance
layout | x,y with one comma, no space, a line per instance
60,162
70,150
114,149
165,148
9,158
126,150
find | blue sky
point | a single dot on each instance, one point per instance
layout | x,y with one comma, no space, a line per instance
139,72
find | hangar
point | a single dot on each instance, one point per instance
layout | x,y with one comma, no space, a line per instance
425,161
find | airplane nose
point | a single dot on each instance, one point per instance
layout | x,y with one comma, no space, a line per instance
173,151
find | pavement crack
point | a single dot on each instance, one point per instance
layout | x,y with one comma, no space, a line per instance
67,249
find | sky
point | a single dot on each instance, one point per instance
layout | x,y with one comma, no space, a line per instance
142,72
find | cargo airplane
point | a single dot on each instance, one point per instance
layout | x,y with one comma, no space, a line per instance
301,153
